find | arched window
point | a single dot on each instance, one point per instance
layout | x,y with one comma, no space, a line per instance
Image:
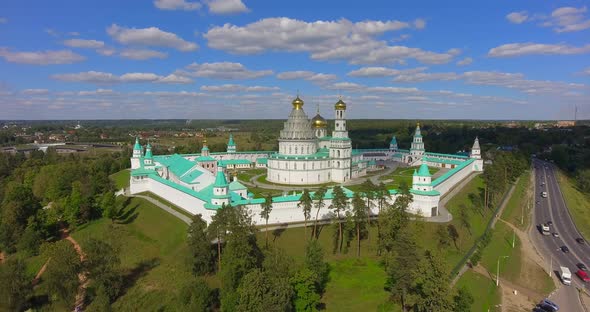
338,164
295,149
290,151
338,153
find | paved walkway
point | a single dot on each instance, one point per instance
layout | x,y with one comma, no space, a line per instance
496,218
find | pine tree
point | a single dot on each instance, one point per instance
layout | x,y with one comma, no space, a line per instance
265,214
305,203
314,261
318,197
339,204
431,290
199,246
359,217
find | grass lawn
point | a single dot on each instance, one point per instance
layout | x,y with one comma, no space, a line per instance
153,254
403,174
121,178
518,203
578,204
501,245
246,175
483,290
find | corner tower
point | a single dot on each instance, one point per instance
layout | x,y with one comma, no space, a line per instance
136,158
340,146
231,146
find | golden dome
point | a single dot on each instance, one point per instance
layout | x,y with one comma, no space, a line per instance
340,105
297,103
318,122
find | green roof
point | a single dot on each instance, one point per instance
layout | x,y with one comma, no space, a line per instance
326,138
423,171
321,154
220,180
451,172
236,185
446,155
262,161
393,141
205,158
205,148
372,162
191,177
137,146
142,172
148,151
177,164
231,140
443,160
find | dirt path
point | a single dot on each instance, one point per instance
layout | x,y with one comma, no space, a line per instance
82,278
514,297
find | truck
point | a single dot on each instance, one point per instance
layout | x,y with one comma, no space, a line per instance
565,275
545,229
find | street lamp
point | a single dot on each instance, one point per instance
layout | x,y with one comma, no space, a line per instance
498,270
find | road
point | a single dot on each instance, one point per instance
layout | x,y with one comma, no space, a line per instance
553,208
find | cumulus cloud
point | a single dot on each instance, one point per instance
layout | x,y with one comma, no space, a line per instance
48,57
586,71
84,43
464,62
382,71
307,75
238,88
226,6
35,91
420,23
142,54
224,70
100,78
563,19
97,92
527,48
517,17
177,5
151,36
356,43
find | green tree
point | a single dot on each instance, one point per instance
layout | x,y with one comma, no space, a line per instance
453,234
196,296
108,205
306,294
260,292
318,197
218,229
431,290
199,246
339,204
102,263
370,191
464,219
63,267
382,196
314,261
401,264
265,214
15,288
444,239
360,221
463,300
73,204
305,203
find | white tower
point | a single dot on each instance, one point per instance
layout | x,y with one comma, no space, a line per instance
393,145
340,146
148,159
136,158
231,146
421,180
476,150
417,148
221,194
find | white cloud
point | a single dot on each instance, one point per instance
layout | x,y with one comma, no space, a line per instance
226,6
41,57
356,43
175,79
464,62
527,48
35,91
421,77
586,71
106,51
307,75
238,88
563,19
84,43
142,54
177,5
97,92
382,71
3,20
517,17
224,70
420,23
102,78
151,36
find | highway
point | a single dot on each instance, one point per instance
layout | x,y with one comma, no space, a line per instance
554,209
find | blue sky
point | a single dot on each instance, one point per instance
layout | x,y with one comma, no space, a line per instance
248,59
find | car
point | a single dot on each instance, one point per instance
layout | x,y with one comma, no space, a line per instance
550,223
546,307
555,234
583,276
565,249
580,240
582,267
551,303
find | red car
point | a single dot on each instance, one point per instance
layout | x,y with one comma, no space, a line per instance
583,276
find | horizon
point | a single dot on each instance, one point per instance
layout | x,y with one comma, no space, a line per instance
248,60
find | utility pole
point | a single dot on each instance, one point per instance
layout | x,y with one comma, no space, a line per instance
513,238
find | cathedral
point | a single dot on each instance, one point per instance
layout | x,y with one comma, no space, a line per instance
307,155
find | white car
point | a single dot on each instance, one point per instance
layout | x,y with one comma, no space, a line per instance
555,234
